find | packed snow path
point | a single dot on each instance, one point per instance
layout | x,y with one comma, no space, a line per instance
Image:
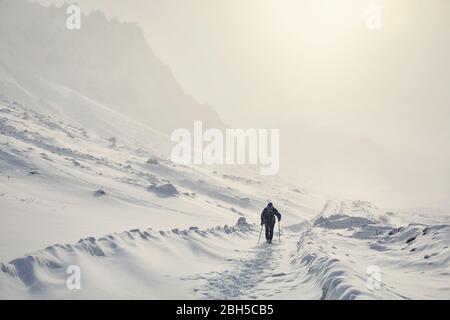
249,276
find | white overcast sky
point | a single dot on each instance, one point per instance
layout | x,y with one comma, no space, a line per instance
362,113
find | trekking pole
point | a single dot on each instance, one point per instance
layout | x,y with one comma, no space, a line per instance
279,231
260,235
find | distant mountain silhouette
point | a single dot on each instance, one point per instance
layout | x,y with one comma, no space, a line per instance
107,61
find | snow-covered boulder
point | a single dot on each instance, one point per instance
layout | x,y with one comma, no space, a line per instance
164,191
99,193
242,221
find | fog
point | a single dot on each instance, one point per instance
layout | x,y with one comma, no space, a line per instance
362,113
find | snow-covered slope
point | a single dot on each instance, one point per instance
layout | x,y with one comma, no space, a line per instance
351,237
71,182
61,182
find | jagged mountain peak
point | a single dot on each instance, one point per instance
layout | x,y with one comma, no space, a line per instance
107,60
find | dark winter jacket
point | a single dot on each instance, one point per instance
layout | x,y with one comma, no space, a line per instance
268,215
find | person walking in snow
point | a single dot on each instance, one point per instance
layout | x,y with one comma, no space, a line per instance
268,219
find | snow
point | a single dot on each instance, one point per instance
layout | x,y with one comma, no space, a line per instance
84,184
194,236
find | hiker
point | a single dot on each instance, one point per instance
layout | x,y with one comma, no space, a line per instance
268,219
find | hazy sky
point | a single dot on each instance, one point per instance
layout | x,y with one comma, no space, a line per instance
362,113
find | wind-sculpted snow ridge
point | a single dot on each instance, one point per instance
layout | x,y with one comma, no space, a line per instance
331,275
143,257
348,240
